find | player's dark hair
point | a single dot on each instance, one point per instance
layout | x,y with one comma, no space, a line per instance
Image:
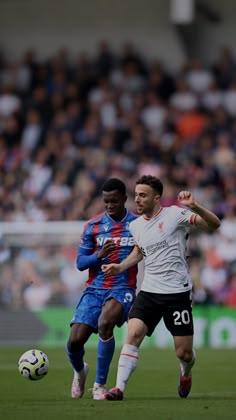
114,184
154,182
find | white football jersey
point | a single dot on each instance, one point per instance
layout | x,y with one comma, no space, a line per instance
163,241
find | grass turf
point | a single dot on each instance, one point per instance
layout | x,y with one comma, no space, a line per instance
151,392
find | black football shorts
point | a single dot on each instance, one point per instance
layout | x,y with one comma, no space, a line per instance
175,309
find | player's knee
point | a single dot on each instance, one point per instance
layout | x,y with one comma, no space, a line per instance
74,344
105,329
184,354
71,344
134,338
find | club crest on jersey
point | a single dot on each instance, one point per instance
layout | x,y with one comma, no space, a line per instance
106,228
160,227
127,226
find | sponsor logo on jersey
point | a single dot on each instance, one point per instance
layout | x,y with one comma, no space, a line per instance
150,249
121,241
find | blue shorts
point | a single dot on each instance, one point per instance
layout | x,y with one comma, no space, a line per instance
90,305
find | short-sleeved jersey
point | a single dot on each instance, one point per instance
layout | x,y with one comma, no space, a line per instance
96,232
163,241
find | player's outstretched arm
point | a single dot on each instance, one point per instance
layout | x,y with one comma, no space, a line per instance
205,218
133,258
88,258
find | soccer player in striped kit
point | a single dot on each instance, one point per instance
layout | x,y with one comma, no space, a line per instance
161,235
106,300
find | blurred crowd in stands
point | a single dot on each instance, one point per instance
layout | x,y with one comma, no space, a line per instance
66,125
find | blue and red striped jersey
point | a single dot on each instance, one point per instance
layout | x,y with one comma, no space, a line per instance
96,232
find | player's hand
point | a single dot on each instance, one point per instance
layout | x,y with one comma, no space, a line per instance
107,248
186,199
111,269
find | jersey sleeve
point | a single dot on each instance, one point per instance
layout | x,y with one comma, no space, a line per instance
86,257
184,216
87,237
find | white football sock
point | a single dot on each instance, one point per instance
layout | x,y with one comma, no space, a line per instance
187,366
127,363
80,376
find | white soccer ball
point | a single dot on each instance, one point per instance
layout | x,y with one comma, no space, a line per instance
33,364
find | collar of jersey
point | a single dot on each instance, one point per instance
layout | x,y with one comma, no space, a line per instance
149,218
118,221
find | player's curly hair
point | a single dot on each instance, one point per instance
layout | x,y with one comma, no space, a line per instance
114,184
154,182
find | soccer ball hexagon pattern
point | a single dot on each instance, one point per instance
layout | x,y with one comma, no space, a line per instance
33,364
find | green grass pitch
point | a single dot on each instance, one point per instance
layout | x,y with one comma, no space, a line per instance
150,394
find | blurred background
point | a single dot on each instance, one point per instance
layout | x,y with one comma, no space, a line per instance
98,89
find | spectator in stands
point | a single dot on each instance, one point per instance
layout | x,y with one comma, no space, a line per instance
115,114
230,294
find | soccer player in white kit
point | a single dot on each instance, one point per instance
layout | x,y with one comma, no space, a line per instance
161,235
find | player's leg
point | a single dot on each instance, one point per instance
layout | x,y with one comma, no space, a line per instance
115,309
129,356
75,350
179,321
186,354
110,316
83,324
143,318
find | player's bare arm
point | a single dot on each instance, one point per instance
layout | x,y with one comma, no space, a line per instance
204,217
134,258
